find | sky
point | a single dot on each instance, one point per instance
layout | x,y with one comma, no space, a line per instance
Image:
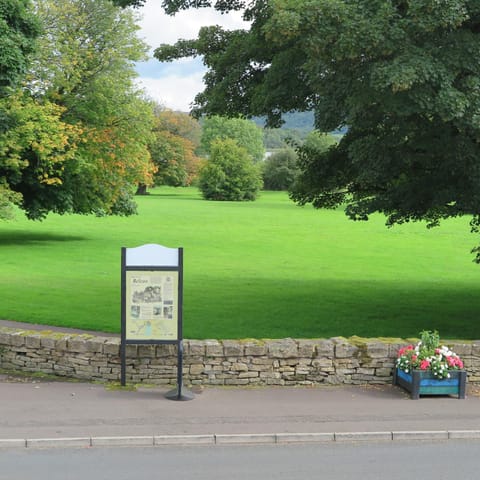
175,84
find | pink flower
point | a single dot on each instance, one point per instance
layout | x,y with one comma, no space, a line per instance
424,365
454,362
458,363
414,358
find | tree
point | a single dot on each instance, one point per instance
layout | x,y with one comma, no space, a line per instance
174,158
34,152
280,170
177,139
244,132
18,31
400,74
82,76
180,124
229,173
176,136
319,142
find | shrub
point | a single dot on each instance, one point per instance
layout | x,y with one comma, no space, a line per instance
280,170
229,173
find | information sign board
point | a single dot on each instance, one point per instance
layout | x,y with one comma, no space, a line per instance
152,305
152,296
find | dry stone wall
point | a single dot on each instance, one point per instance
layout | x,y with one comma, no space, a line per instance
214,362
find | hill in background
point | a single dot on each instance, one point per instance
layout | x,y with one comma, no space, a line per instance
296,126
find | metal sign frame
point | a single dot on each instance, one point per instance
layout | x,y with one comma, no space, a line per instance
153,267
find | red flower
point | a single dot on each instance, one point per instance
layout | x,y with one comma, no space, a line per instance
404,350
424,365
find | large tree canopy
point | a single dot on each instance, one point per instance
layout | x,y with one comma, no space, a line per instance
86,63
404,76
79,129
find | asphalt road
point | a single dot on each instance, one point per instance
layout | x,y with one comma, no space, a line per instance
368,461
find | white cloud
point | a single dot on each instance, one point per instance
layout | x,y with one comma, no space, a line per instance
157,27
173,91
175,87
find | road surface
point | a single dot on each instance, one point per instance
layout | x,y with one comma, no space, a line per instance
368,461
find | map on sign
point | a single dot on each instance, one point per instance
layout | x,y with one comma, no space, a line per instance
152,305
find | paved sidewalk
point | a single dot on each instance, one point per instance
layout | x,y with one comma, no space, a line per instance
32,409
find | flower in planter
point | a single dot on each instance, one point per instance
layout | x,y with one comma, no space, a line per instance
429,355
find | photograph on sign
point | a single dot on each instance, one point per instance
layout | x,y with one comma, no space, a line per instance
152,305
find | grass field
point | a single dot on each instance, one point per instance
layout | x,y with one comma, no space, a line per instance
266,269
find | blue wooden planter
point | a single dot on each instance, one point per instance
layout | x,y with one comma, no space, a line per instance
420,382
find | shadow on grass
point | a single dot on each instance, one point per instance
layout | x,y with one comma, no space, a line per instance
29,238
254,307
327,308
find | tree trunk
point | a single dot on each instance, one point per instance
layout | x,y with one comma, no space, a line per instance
141,189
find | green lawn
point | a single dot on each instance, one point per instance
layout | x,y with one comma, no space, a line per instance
266,269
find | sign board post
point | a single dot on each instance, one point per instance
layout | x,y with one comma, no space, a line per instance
152,299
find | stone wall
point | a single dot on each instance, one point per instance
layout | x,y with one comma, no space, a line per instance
214,362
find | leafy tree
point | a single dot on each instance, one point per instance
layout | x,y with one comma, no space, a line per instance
229,173
244,132
175,159
85,66
319,142
18,31
177,139
280,170
176,136
113,160
180,124
401,74
34,152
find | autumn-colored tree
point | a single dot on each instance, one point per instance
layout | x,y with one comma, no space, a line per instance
85,65
34,154
114,162
176,136
174,158
180,124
